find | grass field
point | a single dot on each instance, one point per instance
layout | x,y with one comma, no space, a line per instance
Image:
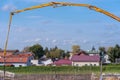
63,69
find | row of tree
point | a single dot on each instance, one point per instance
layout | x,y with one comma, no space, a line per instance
112,52
52,53
37,49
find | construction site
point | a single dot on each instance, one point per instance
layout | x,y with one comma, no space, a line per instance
6,75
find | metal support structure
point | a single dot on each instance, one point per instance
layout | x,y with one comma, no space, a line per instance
6,42
4,68
101,62
101,70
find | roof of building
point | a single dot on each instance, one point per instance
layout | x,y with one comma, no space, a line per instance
85,58
19,58
15,60
63,62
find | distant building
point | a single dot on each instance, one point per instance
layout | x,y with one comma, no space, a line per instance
91,53
34,62
83,59
45,61
63,62
106,59
17,60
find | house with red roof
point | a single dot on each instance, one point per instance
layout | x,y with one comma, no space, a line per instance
83,59
16,60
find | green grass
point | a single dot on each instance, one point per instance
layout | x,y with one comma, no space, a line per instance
62,69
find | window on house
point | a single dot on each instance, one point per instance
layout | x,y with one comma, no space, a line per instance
20,65
29,60
77,65
86,65
12,65
94,64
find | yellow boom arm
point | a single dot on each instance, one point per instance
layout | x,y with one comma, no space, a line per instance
57,4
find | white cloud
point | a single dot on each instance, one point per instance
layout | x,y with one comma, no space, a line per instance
46,39
27,41
54,41
85,41
32,40
37,40
69,42
8,7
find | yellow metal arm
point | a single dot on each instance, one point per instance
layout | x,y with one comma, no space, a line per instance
54,4
57,4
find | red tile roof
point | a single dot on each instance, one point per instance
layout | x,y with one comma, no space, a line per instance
19,58
85,58
15,59
63,62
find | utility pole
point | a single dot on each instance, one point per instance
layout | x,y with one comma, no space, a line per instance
101,70
101,60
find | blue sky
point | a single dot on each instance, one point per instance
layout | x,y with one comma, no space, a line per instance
62,26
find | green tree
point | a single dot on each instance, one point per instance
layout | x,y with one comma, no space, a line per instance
111,54
67,54
114,53
37,49
75,49
102,49
117,51
55,53
46,50
48,55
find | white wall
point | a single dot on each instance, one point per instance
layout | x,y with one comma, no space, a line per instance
19,64
85,63
34,62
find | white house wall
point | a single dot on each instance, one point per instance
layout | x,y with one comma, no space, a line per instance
20,64
17,64
85,63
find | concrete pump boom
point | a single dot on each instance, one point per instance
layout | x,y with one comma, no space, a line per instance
57,4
